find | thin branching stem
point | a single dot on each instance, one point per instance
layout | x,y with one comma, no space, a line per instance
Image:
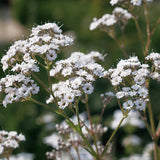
121,47
88,112
155,26
46,88
138,30
111,137
148,29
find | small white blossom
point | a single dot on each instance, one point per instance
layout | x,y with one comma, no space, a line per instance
9,140
128,104
88,88
106,20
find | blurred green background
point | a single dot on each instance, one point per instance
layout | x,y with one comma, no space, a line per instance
16,20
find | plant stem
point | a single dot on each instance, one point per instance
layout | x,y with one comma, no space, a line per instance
88,112
46,88
91,150
106,146
139,31
121,47
153,131
148,29
45,105
146,123
90,120
155,26
79,158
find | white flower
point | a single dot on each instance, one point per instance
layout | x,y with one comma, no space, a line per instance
88,88
12,134
63,103
67,71
51,55
136,2
140,104
128,104
50,100
113,2
116,81
106,20
143,92
77,82
122,15
120,94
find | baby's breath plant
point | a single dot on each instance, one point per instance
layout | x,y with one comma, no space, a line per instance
70,82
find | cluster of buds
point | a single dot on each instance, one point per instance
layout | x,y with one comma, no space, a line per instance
155,59
107,97
9,141
107,22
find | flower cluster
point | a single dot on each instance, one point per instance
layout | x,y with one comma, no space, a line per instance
9,141
107,97
155,59
129,79
80,70
106,22
68,140
45,41
17,87
133,2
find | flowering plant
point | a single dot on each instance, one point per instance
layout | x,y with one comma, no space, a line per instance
70,82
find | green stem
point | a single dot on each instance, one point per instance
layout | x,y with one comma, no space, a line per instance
91,150
88,112
121,47
106,146
139,30
146,123
46,88
148,29
45,105
155,26
90,120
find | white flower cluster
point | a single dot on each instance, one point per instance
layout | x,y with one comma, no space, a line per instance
44,41
80,70
122,15
67,140
17,88
155,59
9,141
108,20
47,39
129,78
133,2
18,58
